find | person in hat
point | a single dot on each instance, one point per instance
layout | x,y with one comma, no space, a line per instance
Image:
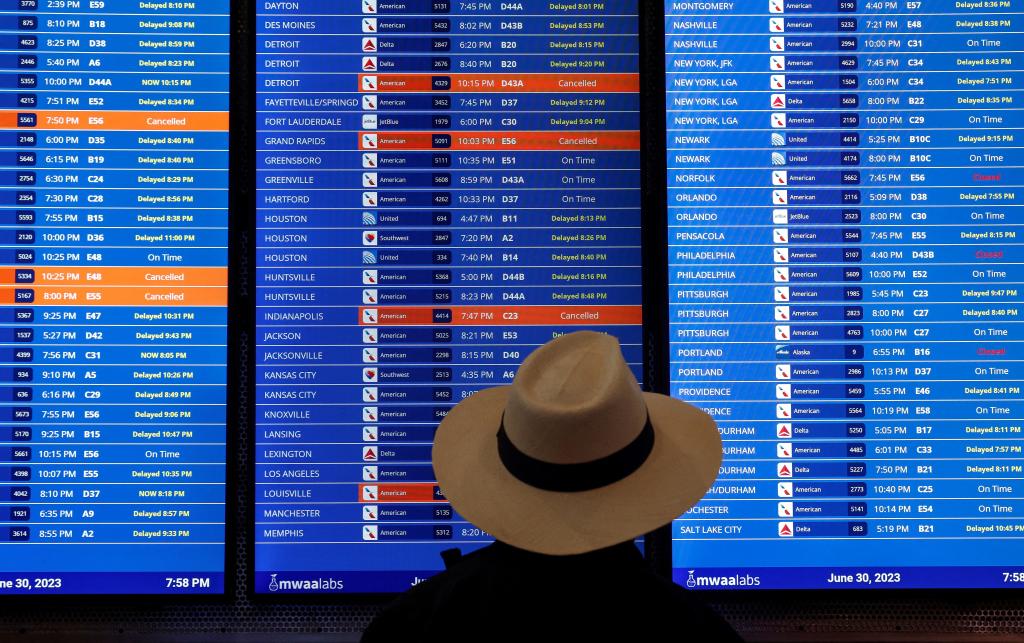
565,468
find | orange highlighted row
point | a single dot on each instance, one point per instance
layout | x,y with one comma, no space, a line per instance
385,493
86,295
104,120
501,315
95,277
629,140
564,83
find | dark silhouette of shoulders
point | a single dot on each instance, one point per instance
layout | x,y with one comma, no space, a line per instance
503,593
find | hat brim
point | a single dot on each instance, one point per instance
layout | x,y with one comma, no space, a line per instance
681,468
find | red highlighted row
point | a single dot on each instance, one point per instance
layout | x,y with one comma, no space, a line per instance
629,140
408,492
501,315
526,83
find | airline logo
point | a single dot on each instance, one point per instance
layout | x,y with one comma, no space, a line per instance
369,295
369,6
782,371
783,391
781,293
776,43
777,25
370,375
370,142
784,469
780,177
369,161
369,25
369,335
370,44
781,275
369,179
780,197
369,101
369,532
369,315
784,430
369,84
778,140
780,235
370,199
785,509
370,238
784,450
781,255
782,313
786,529
369,63
782,334
778,101
370,394
370,277
369,434
370,355
370,473
369,121
784,411
778,158
780,216
369,257
370,454
776,6
368,493
369,218
785,489
777,63
778,120
777,81
369,512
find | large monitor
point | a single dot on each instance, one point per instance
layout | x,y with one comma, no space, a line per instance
844,288
113,247
443,187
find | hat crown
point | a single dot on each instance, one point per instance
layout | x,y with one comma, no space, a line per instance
574,400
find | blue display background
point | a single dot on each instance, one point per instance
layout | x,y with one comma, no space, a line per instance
844,291
113,256
490,248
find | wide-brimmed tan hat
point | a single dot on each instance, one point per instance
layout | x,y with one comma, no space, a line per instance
573,456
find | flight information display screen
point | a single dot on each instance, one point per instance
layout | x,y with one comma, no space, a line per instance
844,288
443,187
113,247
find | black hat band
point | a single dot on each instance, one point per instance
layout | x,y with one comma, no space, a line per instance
582,476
